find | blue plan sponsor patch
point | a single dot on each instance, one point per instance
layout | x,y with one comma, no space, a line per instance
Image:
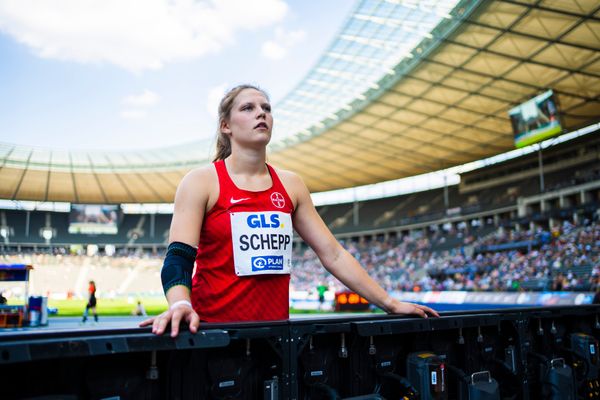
267,263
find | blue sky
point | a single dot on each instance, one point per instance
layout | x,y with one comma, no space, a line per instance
121,75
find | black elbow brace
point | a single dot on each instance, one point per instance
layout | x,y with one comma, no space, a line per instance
178,266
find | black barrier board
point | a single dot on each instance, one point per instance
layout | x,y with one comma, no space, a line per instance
547,353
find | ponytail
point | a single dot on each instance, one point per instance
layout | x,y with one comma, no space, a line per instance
223,147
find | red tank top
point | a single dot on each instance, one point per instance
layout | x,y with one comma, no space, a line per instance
218,293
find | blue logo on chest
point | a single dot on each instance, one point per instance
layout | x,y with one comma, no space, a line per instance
266,263
260,221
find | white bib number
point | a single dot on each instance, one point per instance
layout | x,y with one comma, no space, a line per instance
262,242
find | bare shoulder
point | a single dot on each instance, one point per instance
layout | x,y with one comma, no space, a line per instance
289,178
198,182
191,202
200,176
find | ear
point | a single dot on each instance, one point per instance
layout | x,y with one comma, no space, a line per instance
224,127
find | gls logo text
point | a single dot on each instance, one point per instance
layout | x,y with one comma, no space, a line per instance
260,221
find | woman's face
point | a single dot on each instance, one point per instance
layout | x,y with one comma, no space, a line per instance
250,120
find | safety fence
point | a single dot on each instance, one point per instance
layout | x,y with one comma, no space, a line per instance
526,353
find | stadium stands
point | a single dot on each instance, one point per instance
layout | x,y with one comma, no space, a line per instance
564,259
496,230
505,193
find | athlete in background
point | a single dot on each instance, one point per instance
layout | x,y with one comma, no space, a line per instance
91,302
234,220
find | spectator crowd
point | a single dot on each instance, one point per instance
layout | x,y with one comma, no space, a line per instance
564,258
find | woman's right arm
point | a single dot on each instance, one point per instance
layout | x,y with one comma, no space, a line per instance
191,201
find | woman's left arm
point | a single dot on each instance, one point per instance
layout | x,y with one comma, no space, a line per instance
337,260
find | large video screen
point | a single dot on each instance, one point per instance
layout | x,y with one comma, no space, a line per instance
93,219
535,120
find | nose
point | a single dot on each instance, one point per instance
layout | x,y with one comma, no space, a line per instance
261,113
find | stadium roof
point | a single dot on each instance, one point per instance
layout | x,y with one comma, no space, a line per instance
407,87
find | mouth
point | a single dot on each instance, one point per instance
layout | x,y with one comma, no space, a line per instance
261,125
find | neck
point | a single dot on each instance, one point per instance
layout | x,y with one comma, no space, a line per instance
247,162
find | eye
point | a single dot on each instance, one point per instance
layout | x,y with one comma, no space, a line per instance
267,107
246,107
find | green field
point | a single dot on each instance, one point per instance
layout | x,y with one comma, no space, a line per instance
106,307
121,307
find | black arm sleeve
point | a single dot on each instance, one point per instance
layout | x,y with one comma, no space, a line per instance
178,266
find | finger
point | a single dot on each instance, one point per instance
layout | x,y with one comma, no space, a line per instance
149,321
194,321
416,310
156,323
429,310
162,324
421,312
175,321
432,312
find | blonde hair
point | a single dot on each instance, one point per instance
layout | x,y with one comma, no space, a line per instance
225,106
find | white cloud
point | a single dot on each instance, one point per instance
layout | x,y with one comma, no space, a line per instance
145,99
213,99
277,48
133,114
272,50
137,104
133,34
